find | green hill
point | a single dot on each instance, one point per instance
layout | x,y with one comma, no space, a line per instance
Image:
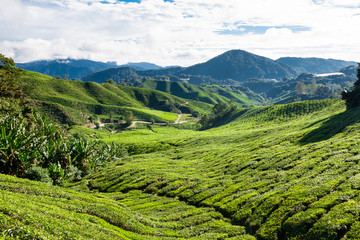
75,101
210,94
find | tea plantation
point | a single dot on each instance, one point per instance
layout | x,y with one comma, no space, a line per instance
278,172
281,172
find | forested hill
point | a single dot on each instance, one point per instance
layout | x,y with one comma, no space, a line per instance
66,68
315,65
240,66
237,65
78,68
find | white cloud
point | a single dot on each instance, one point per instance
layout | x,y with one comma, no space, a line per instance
180,33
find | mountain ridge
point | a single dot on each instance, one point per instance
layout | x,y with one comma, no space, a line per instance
237,65
315,65
78,68
240,65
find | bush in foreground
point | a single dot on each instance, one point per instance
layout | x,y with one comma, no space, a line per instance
27,146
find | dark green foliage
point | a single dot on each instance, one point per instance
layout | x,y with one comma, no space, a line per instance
314,90
38,142
352,97
218,116
22,141
128,117
38,174
110,81
12,98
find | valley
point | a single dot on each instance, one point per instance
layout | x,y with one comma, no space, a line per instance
262,159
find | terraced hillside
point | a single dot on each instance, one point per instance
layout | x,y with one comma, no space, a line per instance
74,101
210,94
33,210
281,172
278,172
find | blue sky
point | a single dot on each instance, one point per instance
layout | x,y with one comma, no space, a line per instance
178,32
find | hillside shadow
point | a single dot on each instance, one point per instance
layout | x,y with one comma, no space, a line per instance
331,126
228,118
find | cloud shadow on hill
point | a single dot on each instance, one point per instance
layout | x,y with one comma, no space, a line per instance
331,126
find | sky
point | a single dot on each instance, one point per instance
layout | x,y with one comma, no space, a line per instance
178,32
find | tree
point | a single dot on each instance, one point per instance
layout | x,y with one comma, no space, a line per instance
111,116
110,81
312,87
357,83
352,96
12,98
219,114
300,88
323,91
129,117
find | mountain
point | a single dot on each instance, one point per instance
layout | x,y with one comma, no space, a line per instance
73,68
350,71
116,74
315,65
231,67
241,66
234,65
128,75
142,66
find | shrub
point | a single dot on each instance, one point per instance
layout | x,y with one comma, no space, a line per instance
56,173
72,173
26,143
39,174
219,113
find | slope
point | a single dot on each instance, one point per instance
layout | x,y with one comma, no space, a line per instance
34,210
210,94
282,172
128,75
70,67
315,65
237,65
241,66
79,100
